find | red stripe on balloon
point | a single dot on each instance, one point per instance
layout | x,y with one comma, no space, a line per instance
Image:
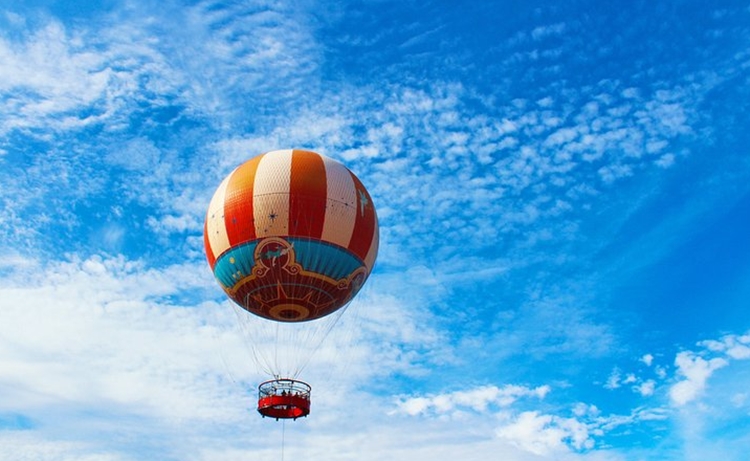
308,191
364,226
209,254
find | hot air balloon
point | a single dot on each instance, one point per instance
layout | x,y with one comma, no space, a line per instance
291,237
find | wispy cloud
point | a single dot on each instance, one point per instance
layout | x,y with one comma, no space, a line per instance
477,399
48,78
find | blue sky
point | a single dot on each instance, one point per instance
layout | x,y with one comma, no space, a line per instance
563,192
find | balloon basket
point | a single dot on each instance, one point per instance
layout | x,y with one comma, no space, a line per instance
284,399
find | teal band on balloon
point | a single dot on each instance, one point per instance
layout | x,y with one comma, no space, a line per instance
315,256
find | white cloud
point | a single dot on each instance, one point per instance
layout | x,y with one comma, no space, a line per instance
646,388
613,381
734,346
477,399
92,334
59,75
612,173
541,32
545,435
739,352
648,359
665,161
170,223
719,400
23,445
695,372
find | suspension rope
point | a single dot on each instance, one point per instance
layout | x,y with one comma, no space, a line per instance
326,329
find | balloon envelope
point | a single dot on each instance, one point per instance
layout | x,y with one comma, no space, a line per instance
291,235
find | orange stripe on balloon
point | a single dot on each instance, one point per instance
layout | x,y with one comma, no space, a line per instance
238,203
308,189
